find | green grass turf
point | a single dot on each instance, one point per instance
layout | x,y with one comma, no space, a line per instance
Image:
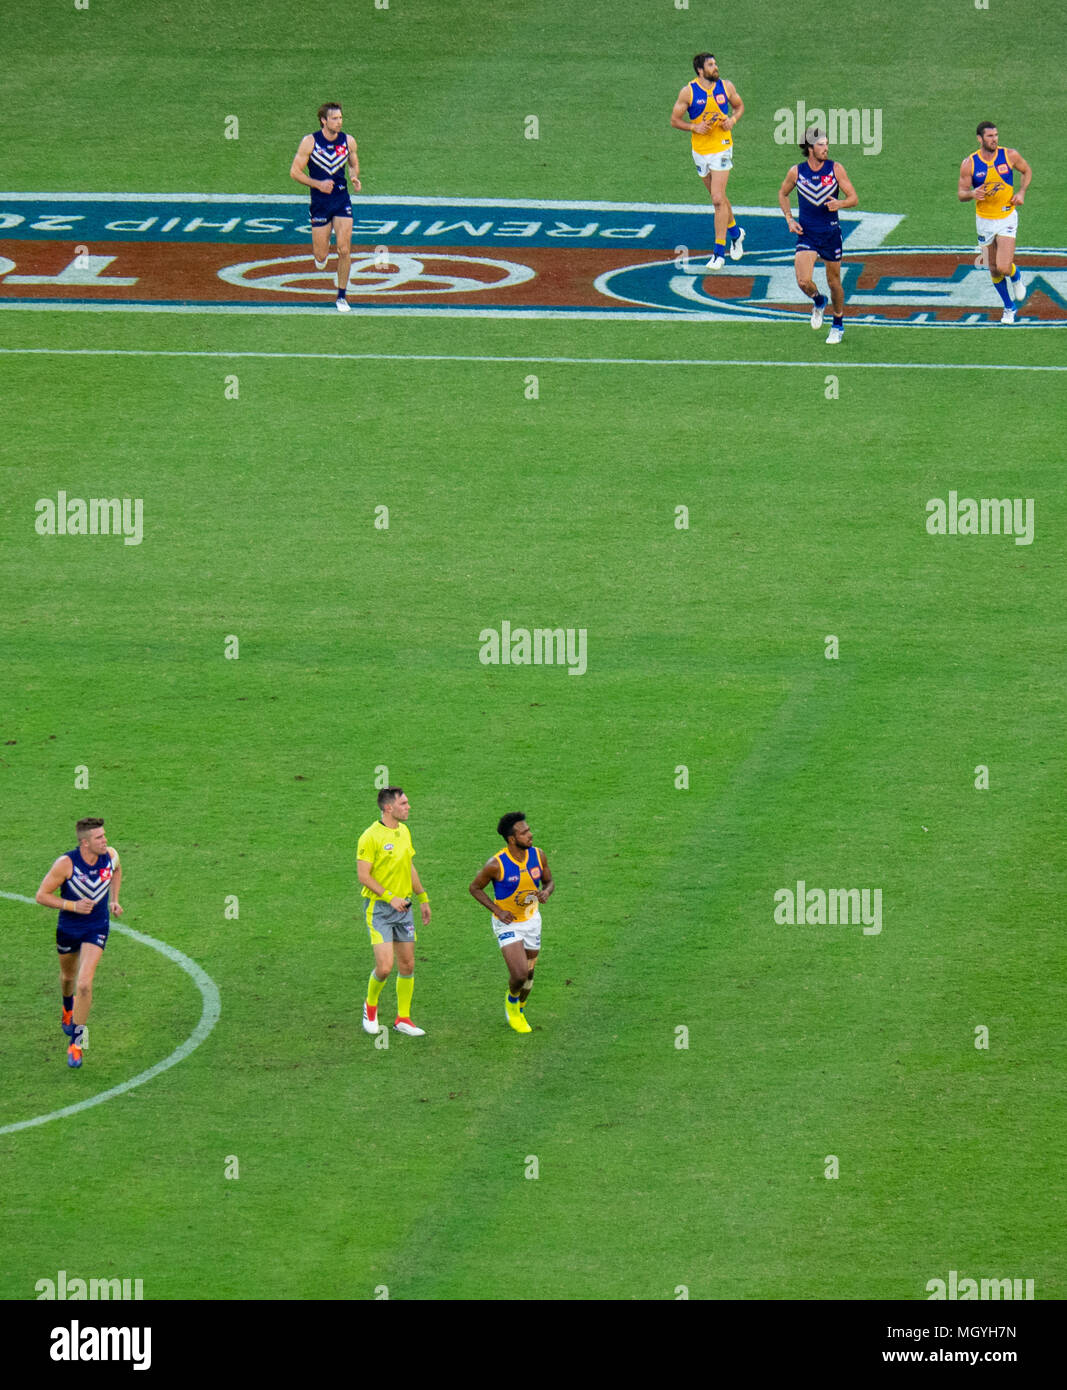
658,1166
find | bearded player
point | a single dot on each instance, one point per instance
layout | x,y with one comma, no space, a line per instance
324,154
988,177
85,879
709,108
521,882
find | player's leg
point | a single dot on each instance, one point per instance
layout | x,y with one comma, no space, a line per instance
383,963
342,229
89,959
531,961
514,953
1007,276
320,244
804,269
68,978
837,300
723,212
405,987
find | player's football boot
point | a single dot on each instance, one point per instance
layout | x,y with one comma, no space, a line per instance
405,1025
66,1022
74,1056
835,335
370,1018
321,265
716,263
515,1018
1017,290
817,311
737,248
1008,316
343,306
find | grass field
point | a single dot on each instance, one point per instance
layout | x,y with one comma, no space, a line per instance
660,1165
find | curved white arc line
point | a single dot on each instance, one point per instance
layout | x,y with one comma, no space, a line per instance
208,1018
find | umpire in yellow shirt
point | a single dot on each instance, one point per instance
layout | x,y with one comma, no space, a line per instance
389,878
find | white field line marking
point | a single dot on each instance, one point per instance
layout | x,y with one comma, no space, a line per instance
828,365
208,1018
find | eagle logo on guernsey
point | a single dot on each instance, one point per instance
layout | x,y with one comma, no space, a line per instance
535,872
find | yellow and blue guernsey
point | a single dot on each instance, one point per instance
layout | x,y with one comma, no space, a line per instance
389,853
996,177
718,138
516,891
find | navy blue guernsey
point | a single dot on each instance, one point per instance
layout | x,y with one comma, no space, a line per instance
814,188
92,882
327,160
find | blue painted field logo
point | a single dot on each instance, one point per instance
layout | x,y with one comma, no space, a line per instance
541,646
984,516
818,907
73,1288
95,516
963,1289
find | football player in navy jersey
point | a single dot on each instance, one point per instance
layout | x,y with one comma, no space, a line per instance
819,181
324,154
87,880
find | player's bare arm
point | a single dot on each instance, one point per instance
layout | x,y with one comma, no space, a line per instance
416,887
353,166
966,191
48,893
788,184
367,879
681,121
548,883
116,881
486,874
737,106
299,165
1016,161
850,199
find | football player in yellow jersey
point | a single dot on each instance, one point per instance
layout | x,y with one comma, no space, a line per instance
988,177
709,108
521,881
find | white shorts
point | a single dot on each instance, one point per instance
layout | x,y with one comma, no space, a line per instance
714,163
528,932
989,227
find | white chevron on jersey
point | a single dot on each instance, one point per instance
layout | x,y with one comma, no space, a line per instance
328,163
85,888
817,194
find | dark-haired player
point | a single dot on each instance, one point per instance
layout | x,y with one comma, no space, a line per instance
709,108
521,882
818,182
383,861
324,154
988,176
86,879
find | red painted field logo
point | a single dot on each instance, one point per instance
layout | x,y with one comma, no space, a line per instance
380,275
492,257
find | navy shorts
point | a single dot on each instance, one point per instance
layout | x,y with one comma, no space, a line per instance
326,206
68,941
827,247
